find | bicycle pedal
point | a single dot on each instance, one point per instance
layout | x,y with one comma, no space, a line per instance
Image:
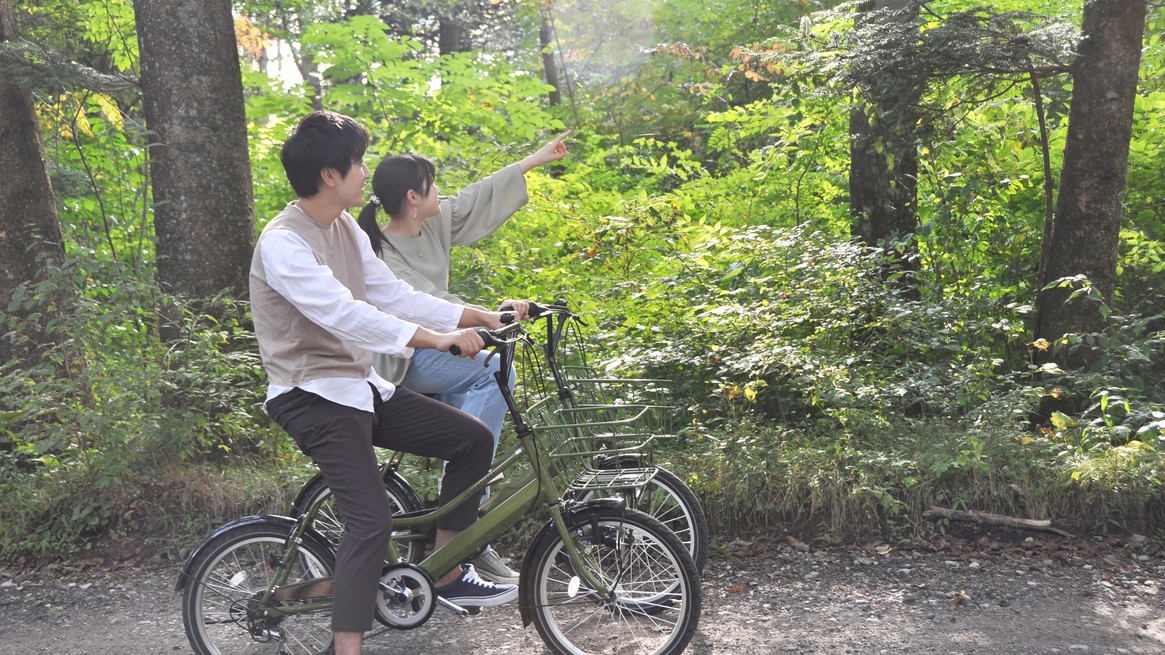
454,607
473,611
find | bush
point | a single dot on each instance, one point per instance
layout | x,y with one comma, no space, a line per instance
112,410
796,327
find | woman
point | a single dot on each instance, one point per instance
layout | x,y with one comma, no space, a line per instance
416,244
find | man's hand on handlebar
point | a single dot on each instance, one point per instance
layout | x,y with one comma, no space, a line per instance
462,343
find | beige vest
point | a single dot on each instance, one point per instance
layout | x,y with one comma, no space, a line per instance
294,349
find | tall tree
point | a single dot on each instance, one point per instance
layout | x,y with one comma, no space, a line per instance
193,100
448,26
883,179
549,67
1085,231
452,36
30,234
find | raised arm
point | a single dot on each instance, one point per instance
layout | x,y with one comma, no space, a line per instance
552,151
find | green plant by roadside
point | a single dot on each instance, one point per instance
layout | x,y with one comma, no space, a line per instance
112,417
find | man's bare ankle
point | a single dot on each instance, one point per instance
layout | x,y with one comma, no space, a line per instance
347,643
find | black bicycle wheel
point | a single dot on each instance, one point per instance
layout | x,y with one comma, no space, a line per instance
329,520
654,604
668,499
226,581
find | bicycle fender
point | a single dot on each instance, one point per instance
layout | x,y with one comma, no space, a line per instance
549,531
275,519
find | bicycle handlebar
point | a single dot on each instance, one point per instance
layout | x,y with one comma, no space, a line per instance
536,310
556,307
492,339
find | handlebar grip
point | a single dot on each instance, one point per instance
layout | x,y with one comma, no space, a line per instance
486,336
537,309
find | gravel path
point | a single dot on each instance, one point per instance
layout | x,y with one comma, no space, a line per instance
969,594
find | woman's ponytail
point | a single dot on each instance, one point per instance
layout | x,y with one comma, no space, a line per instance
367,222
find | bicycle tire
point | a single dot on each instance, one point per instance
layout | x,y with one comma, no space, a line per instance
655,608
668,499
330,521
227,577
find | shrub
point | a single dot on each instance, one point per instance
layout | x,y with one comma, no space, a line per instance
112,409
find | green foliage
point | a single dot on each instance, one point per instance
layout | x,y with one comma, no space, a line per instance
439,106
701,222
847,486
112,406
655,68
1125,405
801,327
55,510
111,390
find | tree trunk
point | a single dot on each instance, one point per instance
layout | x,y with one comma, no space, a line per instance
451,37
1085,230
883,177
200,169
548,65
30,233
883,180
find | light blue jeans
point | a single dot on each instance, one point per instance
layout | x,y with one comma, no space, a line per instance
462,382
465,383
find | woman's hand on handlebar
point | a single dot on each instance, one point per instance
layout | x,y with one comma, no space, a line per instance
520,309
473,317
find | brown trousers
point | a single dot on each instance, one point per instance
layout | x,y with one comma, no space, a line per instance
340,440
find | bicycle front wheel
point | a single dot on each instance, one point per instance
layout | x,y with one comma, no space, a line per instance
653,606
220,603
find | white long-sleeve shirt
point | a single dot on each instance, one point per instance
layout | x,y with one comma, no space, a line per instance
385,323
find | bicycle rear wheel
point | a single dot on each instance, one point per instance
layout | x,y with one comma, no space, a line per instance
668,499
220,601
329,521
654,605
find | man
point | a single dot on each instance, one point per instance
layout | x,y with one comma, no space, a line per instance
322,304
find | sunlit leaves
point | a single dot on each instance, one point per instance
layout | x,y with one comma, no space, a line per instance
110,26
454,105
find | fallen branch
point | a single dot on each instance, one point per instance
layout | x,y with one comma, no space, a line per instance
993,519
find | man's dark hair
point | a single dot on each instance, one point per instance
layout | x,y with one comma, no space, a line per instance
323,139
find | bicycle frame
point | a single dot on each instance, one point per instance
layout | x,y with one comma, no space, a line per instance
536,485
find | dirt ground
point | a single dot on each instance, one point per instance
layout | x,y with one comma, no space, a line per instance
977,591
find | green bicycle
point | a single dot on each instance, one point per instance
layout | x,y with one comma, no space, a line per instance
598,577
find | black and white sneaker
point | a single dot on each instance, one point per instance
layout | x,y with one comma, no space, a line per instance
471,591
